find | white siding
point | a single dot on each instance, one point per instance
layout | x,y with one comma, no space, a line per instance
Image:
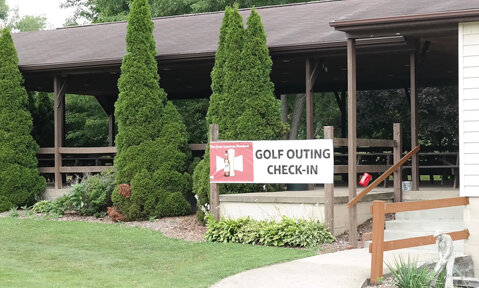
469,107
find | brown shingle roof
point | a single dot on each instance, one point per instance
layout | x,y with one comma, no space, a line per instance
288,27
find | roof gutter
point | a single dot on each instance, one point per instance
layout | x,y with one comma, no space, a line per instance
436,18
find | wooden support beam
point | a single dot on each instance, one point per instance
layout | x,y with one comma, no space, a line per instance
59,90
214,188
352,141
111,130
397,150
414,120
284,108
329,190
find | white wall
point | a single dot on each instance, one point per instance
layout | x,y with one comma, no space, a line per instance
469,108
469,132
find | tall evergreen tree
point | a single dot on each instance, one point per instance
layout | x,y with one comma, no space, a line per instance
243,102
224,107
151,140
215,113
261,117
19,177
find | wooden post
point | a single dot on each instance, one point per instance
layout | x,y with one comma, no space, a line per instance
352,140
111,130
284,108
59,89
377,248
397,156
414,121
214,188
329,190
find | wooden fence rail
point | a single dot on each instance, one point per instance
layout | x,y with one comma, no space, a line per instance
79,160
378,246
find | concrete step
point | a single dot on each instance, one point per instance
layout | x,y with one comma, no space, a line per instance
424,226
430,194
449,213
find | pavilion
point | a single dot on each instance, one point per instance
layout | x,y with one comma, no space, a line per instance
310,52
344,45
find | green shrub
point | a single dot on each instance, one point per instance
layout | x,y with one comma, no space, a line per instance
152,140
201,188
285,233
5,204
20,181
90,197
410,275
98,190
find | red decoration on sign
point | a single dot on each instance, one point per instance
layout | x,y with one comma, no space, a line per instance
231,162
365,180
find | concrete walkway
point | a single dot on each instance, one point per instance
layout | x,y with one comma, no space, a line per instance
342,269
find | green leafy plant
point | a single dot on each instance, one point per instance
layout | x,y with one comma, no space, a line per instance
285,233
89,197
411,275
13,213
54,208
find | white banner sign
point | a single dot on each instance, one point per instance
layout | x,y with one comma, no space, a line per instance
300,161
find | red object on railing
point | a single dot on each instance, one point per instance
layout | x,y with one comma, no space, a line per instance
365,180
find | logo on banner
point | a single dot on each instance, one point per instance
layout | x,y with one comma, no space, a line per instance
233,162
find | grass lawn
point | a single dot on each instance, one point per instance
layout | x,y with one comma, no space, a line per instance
45,253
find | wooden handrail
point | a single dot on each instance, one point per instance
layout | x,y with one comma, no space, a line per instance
426,204
378,246
383,176
420,241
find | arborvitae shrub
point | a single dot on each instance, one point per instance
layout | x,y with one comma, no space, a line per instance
201,187
152,140
19,177
243,102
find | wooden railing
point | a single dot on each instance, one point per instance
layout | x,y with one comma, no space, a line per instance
381,178
388,144
79,160
378,246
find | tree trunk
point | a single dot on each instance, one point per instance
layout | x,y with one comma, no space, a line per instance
299,105
341,101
